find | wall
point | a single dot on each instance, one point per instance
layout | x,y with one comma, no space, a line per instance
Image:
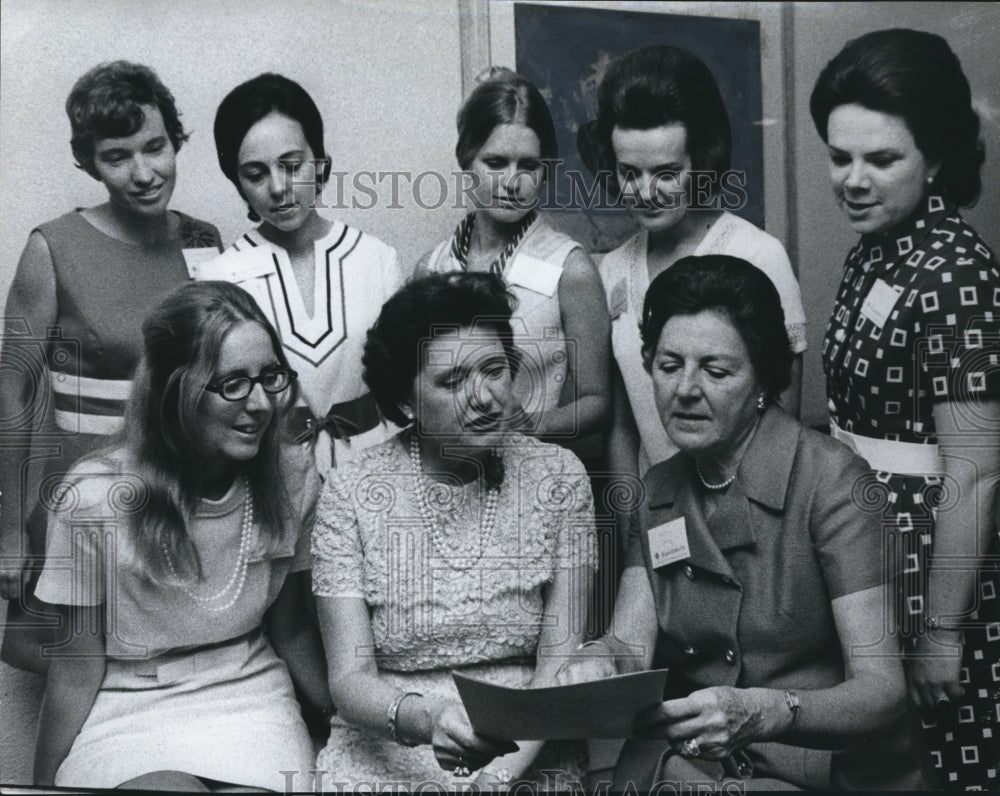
387,77
819,31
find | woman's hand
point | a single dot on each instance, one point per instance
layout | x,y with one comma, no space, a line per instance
584,669
934,670
456,744
719,720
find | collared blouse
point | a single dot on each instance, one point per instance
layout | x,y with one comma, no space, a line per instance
750,606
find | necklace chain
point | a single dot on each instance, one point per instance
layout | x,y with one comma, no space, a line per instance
463,553
238,577
462,240
701,477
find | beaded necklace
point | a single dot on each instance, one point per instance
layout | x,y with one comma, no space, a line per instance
707,485
465,552
238,578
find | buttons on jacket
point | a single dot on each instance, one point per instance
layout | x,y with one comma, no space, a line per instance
730,657
688,572
690,651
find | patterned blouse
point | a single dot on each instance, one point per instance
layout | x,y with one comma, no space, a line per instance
457,596
916,322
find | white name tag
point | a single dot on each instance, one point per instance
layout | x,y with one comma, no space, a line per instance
879,302
231,267
197,257
534,274
668,543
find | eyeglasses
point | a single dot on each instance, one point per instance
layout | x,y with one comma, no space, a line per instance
236,388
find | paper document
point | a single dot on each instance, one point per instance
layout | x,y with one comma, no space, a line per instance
598,709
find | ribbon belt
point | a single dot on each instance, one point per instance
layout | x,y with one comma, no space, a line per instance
343,421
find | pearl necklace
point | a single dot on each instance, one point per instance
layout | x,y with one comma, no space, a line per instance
238,578
707,485
469,551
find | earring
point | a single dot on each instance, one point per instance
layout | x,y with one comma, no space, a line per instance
930,180
761,402
252,214
407,412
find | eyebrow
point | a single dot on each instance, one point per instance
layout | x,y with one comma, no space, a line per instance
672,166
296,154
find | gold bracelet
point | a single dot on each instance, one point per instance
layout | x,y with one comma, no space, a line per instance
393,714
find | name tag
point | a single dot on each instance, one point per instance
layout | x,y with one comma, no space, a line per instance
668,543
879,302
194,258
231,267
534,274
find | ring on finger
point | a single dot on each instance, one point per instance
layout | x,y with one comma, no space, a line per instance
690,748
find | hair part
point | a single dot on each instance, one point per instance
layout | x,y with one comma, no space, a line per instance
659,85
916,76
505,97
419,311
737,289
250,102
182,339
107,102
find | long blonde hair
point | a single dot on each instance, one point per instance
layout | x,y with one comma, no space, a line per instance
182,338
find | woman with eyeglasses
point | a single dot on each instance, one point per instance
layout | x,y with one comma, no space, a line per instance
177,560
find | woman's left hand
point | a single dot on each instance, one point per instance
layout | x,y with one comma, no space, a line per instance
718,720
934,672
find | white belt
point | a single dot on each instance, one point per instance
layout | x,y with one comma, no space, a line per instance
82,388
886,455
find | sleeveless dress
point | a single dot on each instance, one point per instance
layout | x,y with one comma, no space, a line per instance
625,274
355,274
532,274
104,290
433,608
885,370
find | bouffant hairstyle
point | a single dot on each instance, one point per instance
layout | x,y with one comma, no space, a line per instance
736,288
421,309
250,102
913,75
651,87
107,102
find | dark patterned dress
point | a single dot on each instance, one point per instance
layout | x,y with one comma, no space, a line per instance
939,340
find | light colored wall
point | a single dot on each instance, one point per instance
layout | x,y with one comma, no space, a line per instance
819,31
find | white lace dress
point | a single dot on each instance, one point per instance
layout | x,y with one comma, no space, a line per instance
445,603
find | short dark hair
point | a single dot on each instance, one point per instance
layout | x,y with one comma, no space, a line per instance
742,292
505,97
654,86
106,102
916,76
250,102
418,311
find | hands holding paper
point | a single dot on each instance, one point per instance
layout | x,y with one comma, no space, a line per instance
718,720
456,744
